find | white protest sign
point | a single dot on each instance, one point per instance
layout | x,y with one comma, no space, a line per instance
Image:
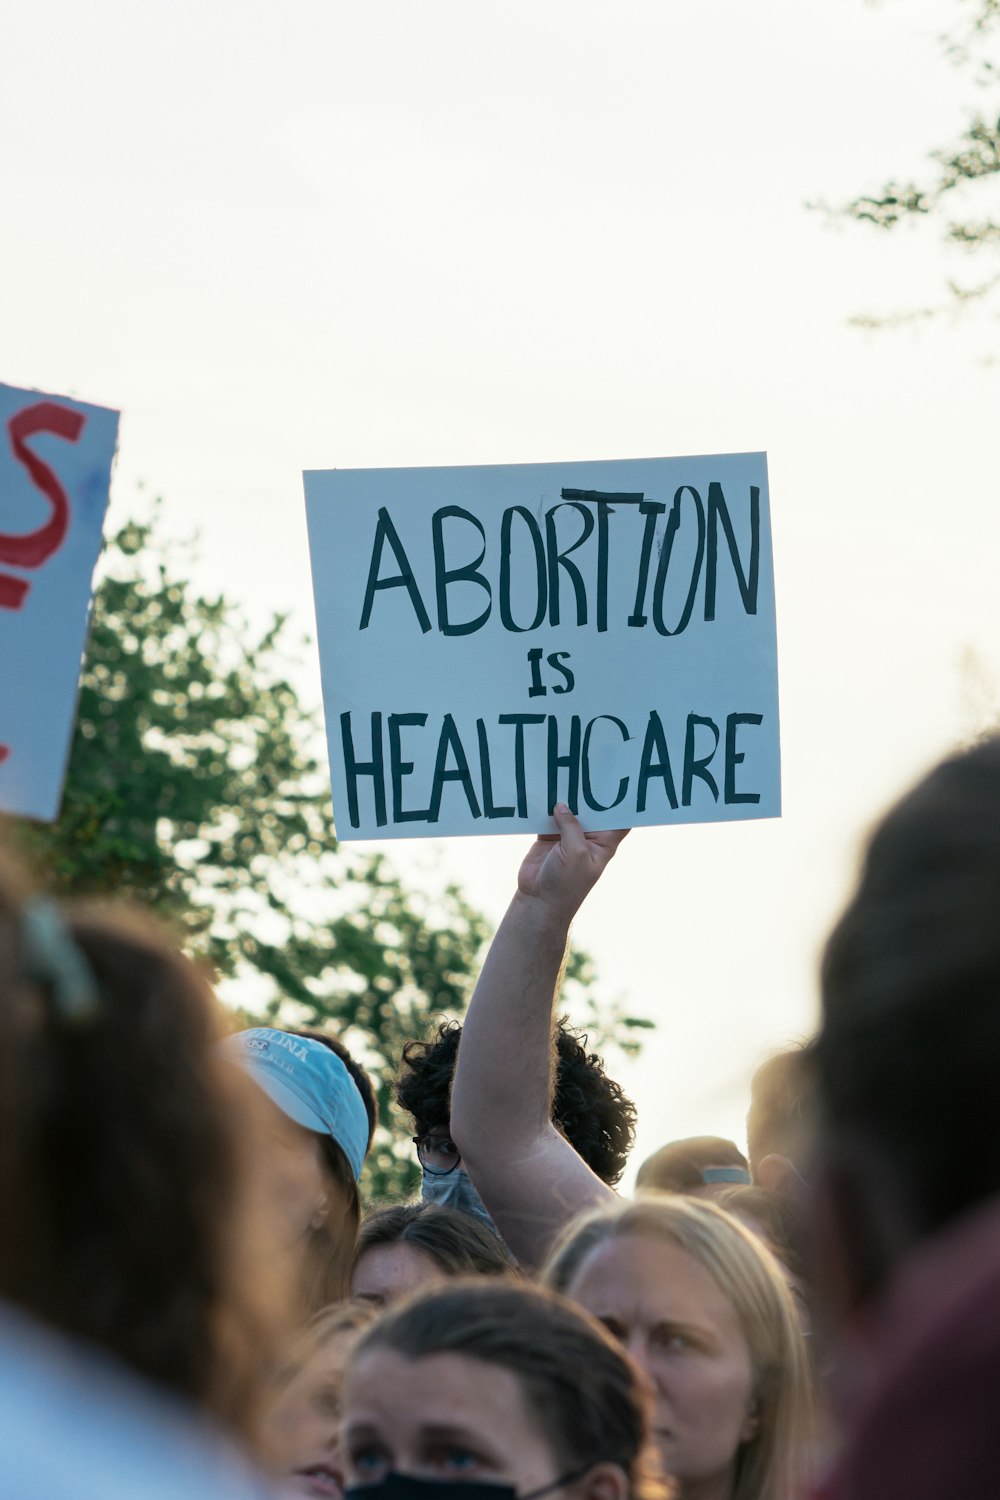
55,470
497,639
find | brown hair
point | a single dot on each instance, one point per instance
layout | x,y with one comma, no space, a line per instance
781,1092
120,1164
591,1400
458,1243
324,1275
328,1254
770,1217
769,1466
679,1166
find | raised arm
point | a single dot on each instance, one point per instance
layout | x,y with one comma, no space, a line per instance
530,1178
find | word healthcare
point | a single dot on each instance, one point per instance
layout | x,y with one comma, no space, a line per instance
495,640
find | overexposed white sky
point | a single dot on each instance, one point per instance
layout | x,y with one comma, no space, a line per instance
428,232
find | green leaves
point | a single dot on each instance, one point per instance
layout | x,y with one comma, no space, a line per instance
955,177
196,787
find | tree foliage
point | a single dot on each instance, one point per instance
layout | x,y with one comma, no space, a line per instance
195,788
959,192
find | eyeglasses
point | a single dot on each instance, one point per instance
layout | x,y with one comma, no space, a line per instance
437,1154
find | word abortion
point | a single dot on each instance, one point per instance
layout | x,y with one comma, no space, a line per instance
491,766
555,575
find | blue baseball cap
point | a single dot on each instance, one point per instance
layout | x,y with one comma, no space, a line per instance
308,1083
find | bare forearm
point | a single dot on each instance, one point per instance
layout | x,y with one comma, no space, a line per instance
503,1085
530,1178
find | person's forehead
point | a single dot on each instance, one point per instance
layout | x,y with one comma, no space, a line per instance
435,1390
647,1278
389,1272
395,1260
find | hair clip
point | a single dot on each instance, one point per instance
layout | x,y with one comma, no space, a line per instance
51,958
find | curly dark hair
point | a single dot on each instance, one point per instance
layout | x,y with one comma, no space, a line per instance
591,1109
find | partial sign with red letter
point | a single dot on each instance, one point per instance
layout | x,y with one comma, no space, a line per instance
55,472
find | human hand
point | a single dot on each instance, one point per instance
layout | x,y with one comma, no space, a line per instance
559,870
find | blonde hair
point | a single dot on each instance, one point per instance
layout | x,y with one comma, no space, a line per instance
329,1323
770,1465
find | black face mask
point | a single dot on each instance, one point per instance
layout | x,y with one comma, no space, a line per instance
407,1487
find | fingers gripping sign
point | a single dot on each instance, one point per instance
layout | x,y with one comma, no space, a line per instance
561,869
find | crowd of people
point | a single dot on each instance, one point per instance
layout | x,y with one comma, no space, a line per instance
194,1300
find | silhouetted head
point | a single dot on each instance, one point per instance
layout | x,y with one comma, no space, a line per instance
907,1061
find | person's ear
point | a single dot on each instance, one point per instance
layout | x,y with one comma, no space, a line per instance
751,1423
776,1174
605,1481
319,1215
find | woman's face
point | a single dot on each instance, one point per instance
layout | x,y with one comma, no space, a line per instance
385,1273
299,1183
444,1417
303,1425
677,1323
